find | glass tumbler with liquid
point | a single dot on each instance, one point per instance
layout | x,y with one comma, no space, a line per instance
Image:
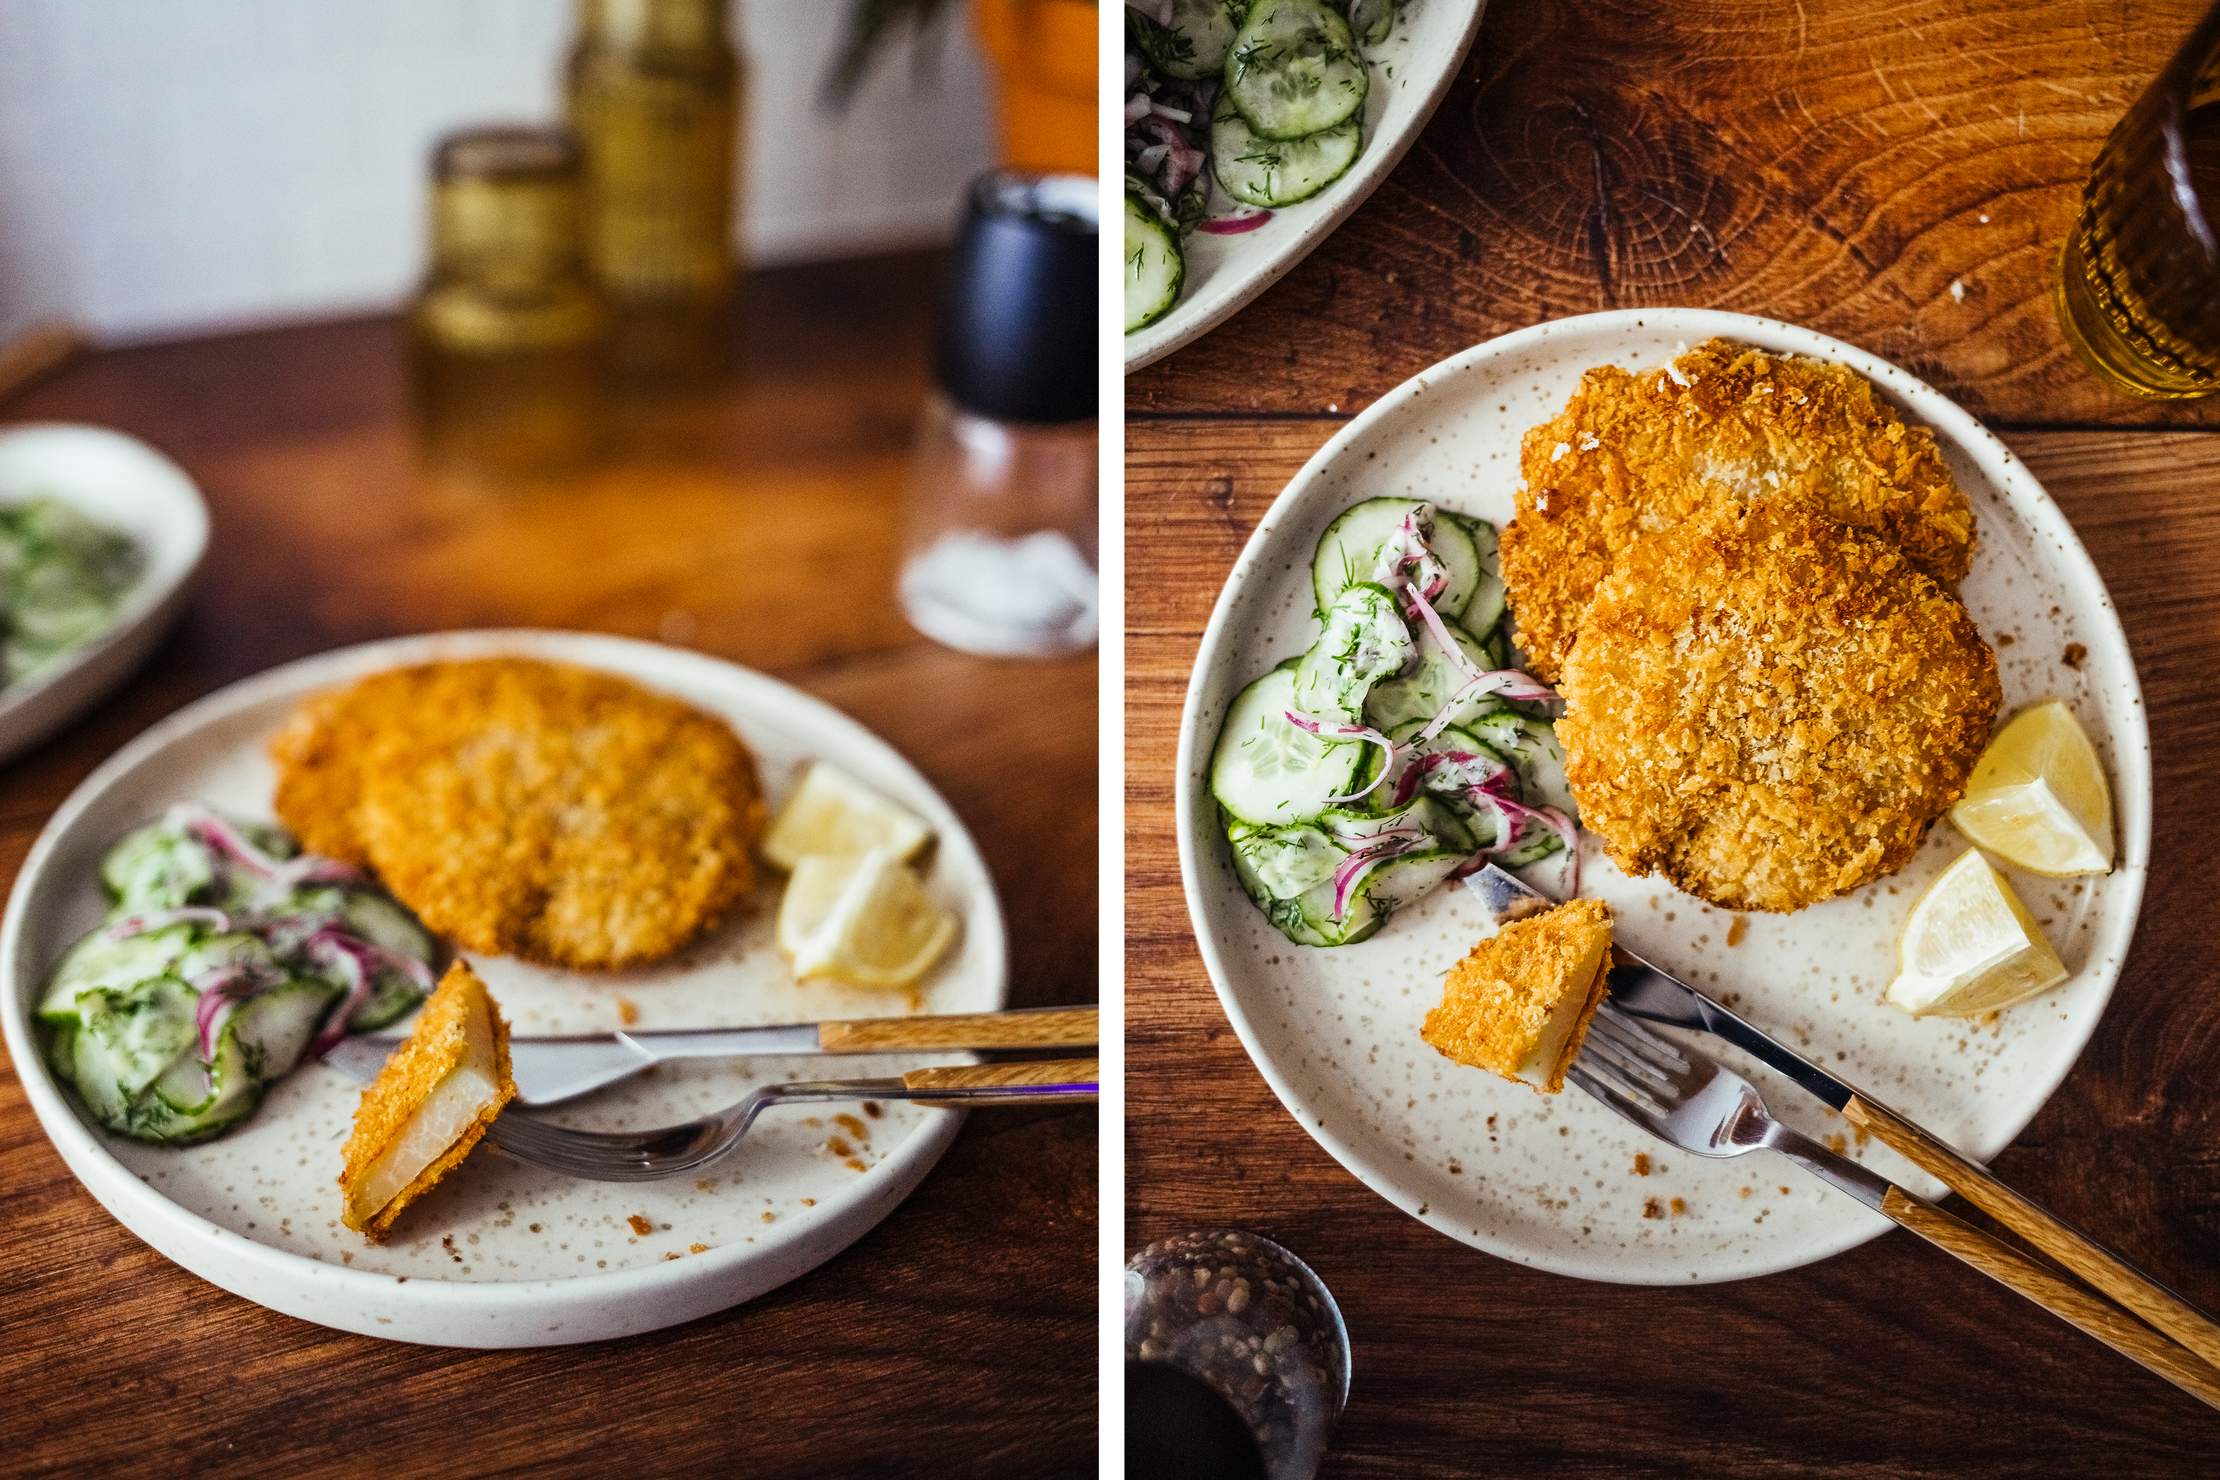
2139,280
1000,537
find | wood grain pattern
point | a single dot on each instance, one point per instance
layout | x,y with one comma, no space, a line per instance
1897,175
1057,1076
2069,1246
957,1338
1036,1027
2061,1297
1883,1362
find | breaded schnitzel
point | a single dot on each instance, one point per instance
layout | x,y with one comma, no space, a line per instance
1519,1003
1724,424
1770,708
528,808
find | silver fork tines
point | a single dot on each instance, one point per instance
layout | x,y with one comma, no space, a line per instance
1691,1101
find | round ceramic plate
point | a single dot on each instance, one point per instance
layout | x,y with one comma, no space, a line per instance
127,486
1554,1181
503,1254
1411,73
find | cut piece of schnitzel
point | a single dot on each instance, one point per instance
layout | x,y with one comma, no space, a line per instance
1770,708
429,1106
1520,1001
529,808
1724,425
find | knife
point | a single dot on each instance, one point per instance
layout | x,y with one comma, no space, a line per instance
553,1069
1642,989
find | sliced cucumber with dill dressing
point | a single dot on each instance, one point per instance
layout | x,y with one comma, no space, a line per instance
1278,172
1373,21
195,1100
1195,42
1154,264
1294,69
1444,829
1365,642
1268,771
100,959
1350,549
136,1034
1531,745
1434,683
276,1026
1391,885
1484,607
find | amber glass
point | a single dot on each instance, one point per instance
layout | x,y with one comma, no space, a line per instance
509,325
2139,281
654,94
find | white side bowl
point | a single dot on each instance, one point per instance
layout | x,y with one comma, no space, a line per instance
128,486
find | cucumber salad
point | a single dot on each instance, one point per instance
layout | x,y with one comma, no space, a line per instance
1402,750
226,958
1265,96
62,577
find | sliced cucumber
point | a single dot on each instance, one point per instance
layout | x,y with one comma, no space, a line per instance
98,960
1365,642
1484,607
276,1026
1195,44
1389,887
1278,172
1428,688
1282,862
1154,264
1349,551
1373,21
158,867
195,1100
1268,772
1539,843
137,1033
1531,744
1294,69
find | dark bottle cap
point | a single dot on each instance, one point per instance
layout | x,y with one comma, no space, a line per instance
1017,323
1177,1427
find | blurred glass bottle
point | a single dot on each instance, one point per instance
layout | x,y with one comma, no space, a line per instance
509,324
1000,545
654,94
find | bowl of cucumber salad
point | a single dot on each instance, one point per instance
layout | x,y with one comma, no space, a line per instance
1401,749
1252,129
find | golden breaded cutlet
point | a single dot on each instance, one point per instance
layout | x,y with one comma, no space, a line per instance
528,808
1519,1003
1724,425
429,1106
1769,708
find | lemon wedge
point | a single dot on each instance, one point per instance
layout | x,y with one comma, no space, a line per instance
864,919
1970,946
832,813
2038,799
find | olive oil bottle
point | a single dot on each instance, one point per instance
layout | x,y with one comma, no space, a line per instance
654,96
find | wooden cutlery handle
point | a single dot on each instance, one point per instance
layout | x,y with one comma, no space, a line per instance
2069,1302
1059,1081
1048,1027
2100,1268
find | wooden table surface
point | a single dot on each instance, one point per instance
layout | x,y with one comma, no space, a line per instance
957,1337
1837,165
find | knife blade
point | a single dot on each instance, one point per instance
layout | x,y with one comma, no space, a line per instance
549,1070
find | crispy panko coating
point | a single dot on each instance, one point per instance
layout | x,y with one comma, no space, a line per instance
1519,1003
1724,425
1769,708
528,808
450,1032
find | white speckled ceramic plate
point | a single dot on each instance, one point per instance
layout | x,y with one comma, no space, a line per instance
1411,73
504,1254
1552,1181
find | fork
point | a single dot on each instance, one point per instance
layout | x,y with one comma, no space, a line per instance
647,1156
1691,1101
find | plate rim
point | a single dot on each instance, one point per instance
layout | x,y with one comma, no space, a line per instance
1142,350
2131,761
627,1299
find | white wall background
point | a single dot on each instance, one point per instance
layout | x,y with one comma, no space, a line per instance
170,166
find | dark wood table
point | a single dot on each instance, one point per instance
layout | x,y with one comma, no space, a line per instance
958,1337
1835,165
